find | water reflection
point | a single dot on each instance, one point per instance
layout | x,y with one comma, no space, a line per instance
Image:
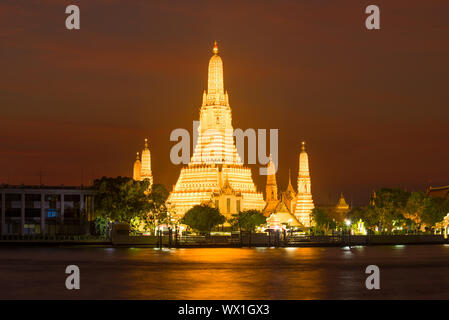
234,273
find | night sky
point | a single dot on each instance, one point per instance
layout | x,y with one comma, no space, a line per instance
372,105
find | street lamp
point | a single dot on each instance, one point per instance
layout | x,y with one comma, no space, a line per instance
348,223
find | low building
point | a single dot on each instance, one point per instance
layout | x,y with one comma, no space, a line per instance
45,210
443,226
438,192
282,217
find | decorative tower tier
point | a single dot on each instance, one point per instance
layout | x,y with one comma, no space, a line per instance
304,202
215,158
271,187
142,166
289,195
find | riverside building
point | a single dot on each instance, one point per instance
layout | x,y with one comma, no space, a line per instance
45,210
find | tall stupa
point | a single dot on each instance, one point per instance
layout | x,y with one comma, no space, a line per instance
304,201
215,164
137,168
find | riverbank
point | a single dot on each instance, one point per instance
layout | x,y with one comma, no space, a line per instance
255,240
277,240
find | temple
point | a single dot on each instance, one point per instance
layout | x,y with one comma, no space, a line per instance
215,174
142,166
342,206
304,201
278,209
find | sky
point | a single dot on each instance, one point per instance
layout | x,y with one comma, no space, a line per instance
372,105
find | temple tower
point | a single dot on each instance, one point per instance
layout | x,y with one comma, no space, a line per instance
271,187
290,195
215,143
215,159
142,166
342,207
137,168
304,202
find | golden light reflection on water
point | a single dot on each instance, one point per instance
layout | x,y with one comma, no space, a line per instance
409,272
283,273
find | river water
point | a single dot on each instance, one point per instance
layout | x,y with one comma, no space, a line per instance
406,272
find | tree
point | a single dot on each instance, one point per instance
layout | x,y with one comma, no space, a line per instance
323,220
121,199
248,220
158,213
101,226
414,208
389,206
366,213
159,194
435,210
394,208
203,218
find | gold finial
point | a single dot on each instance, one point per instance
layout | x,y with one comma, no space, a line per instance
137,158
146,143
215,50
303,146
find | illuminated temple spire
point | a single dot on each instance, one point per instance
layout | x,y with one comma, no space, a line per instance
137,168
271,187
146,164
215,158
215,85
342,205
290,187
216,142
215,82
142,166
304,203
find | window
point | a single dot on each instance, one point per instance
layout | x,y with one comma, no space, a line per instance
51,213
216,204
238,205
228,204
